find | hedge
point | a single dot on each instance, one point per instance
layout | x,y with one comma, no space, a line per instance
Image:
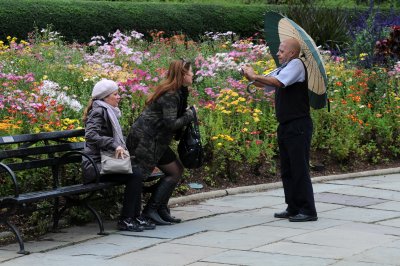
80,20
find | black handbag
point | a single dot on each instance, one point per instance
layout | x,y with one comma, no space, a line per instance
190,149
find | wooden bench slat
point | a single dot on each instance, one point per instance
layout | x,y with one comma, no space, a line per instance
49,149
42,136
41,163
58,192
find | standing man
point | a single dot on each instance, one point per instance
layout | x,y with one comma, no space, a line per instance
294,130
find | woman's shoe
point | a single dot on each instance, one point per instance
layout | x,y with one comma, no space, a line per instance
164,213
129,224
145,223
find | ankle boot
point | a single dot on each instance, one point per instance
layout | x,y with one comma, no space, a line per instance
150,210
163,210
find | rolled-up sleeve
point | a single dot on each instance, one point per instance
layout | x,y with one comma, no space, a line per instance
292,73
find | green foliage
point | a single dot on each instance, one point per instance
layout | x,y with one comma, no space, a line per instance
327,26
79,20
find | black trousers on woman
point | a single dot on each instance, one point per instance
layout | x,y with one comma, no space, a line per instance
131,206
294,140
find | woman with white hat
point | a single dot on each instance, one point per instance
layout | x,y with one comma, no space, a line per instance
103,132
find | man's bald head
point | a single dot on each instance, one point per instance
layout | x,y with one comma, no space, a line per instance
293,45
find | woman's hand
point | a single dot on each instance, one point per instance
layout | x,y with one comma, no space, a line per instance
120,152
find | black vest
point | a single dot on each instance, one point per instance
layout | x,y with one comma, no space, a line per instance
292,102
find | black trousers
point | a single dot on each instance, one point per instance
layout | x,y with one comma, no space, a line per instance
294,140
132,203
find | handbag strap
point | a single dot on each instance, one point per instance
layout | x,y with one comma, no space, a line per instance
195,121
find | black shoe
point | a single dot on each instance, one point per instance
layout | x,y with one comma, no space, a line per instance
284,214
153,215
129,224
166,216
303,218
145,223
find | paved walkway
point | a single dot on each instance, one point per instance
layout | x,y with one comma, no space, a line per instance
359,224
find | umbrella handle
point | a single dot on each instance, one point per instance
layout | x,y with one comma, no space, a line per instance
249,90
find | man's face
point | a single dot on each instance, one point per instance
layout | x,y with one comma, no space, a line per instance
285,53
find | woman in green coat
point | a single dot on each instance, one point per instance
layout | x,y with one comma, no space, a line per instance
164,116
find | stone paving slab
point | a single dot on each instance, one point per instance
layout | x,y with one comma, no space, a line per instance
394,244
385,178
45,259
359,214
349,262
383,255
347,200
372,193
232,221
356,182
307,250
389,206
391,222
166,254
242,239
342,237
206,264
37,246
259,258
370,228
108,246
388,186
319,225
245,202
326,187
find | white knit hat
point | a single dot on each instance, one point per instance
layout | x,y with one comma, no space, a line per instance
103,88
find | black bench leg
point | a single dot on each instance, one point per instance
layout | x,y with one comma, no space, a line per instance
19,238
98,218
56,217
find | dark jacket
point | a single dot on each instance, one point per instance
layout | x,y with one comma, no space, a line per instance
153,131
98,136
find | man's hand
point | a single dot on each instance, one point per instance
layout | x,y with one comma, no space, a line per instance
248,72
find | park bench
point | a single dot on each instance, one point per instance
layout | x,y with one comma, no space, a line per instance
58,153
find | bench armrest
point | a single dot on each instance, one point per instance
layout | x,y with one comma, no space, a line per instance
13,177
65,156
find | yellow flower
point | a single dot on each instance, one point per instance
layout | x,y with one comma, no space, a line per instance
363,56
241,99
245,129
234,94
226,112
214,138
256,119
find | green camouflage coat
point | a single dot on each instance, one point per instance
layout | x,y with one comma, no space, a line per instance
153,131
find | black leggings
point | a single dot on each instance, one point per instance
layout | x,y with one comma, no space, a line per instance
133,191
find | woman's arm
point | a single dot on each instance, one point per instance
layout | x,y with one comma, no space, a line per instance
96,130
170,103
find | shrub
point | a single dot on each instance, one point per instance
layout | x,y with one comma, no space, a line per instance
79,20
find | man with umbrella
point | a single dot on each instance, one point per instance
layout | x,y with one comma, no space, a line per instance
294,131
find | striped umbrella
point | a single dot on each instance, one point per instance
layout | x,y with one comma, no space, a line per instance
279,28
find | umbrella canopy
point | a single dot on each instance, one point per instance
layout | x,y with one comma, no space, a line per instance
279,28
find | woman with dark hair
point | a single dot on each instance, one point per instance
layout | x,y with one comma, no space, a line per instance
103,133
164,116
